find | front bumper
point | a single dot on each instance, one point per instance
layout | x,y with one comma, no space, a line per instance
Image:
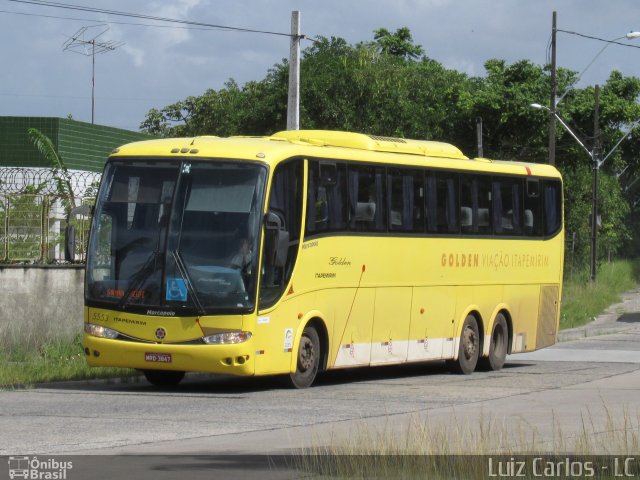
238,359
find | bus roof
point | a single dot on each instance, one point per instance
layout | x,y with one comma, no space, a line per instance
332,145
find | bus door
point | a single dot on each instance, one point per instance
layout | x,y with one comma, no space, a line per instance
282,227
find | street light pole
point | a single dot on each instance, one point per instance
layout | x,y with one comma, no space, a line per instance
553,116
554,88
565,126
554,100
594,188
594,154
629,36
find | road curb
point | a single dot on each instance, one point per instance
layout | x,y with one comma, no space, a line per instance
591,331
607,322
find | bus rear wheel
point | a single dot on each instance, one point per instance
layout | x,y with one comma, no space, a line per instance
308,360
498,345
469,350
163,378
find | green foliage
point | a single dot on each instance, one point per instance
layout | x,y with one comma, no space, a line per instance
399,44
60,173
373,92
389,87
512,130
54,361
26,217
22,220
583,301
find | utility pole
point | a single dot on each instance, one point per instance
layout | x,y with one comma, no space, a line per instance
479,136
594,193
293,104
93,80
554,88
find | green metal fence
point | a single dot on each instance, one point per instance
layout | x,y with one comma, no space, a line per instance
34,228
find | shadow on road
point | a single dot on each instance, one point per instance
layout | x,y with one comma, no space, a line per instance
629,318
202,383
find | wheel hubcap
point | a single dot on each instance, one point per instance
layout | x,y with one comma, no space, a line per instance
469,342
306,358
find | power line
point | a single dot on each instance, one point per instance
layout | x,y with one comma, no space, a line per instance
102,21
81,8
615,42
85,97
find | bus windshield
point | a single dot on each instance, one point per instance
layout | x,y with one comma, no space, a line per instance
177,235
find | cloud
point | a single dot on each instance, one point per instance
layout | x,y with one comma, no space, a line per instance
136,54
147,45
179,9
157,66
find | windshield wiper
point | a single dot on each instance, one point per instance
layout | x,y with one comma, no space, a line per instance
182,269
137,279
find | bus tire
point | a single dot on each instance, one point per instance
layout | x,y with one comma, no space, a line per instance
497,346
308,360
469,350
164,378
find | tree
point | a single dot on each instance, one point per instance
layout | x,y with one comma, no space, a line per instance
399,44
60,172
29,214
389,87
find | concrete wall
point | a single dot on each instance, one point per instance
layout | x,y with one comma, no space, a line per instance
40,304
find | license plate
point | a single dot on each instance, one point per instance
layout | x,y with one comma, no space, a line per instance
157,357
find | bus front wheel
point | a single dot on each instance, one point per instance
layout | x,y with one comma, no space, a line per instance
163,378
469,350
308,359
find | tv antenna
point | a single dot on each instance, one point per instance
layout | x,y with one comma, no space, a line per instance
81,42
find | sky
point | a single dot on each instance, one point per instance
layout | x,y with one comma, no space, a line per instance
156,66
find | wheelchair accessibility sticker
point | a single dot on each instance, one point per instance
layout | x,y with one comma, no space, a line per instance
176,290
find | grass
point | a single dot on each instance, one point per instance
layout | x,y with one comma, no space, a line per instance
59,361
460,449
582,301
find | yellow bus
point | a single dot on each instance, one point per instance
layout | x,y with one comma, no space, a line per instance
314,250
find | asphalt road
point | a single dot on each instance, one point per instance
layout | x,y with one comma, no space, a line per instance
580,395
556,388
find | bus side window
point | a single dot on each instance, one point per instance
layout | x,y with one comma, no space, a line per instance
442,203
532,218
475,205
326,199
507,206
367,212
552,206
405,201
317,204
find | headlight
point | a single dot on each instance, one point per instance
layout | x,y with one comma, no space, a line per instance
100,331
227,338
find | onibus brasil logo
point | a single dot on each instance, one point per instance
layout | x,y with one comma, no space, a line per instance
32,468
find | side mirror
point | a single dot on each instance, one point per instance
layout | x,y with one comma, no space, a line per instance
70,231
273,221
69,243
276,240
